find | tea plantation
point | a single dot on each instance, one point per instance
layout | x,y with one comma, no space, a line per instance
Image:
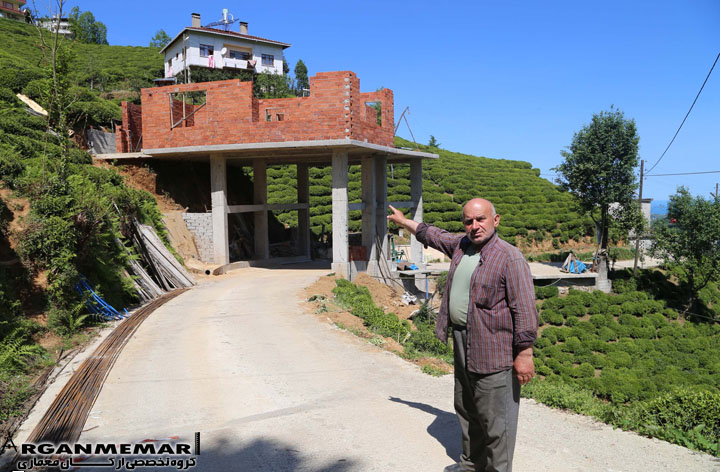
532,208
630,360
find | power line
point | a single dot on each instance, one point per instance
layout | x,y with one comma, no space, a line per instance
688,114
685,173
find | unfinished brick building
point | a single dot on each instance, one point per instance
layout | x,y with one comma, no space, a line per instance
337,125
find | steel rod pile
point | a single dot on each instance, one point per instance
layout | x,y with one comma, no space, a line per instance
64,420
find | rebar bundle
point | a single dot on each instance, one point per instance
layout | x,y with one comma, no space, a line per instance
64,420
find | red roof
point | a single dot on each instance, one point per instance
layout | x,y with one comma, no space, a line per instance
222,32
239,35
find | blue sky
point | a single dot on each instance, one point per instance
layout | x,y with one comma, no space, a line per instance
502,79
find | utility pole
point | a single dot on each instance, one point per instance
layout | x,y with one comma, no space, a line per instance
637,233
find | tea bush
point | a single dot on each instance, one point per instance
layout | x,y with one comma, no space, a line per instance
641,355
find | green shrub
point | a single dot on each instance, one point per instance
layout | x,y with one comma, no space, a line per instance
684,416
606,334
553,317
548,291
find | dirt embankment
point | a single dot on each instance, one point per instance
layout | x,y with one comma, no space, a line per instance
383,295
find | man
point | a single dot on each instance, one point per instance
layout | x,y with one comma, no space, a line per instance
490,304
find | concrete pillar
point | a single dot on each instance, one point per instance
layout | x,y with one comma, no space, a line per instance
380,244
416,214
369,211
340,263
262,241
303,196
218,198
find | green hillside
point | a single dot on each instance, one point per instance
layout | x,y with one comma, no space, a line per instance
99,76
61,218
532,208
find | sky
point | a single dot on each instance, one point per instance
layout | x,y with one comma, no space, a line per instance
502,79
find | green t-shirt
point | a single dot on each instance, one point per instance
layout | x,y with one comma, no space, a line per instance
460,290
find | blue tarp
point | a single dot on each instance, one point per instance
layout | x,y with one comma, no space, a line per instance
576,267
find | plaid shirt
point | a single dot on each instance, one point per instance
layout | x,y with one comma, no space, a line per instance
502,318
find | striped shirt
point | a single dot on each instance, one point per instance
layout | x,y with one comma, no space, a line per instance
502,318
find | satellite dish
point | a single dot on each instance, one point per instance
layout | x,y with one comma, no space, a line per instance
223,51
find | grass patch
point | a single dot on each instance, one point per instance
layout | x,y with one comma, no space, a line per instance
432,370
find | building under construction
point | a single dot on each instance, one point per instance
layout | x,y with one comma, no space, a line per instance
222,123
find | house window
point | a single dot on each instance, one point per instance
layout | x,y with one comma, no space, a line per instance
268,60
245,56
206,50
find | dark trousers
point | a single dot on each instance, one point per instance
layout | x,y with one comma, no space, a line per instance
487,407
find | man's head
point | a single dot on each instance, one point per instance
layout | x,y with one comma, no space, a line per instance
480,220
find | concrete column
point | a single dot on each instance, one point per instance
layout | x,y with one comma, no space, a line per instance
380,244
369,212
303,196
340,263
218,198
416,249
262,242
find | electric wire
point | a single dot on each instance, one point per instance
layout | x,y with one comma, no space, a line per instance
685,173
686,115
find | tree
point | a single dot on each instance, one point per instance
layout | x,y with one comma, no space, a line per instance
301,76
160,40
433,142
599,171
86,29
688,239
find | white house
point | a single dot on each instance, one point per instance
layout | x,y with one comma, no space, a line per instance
202,46
63,25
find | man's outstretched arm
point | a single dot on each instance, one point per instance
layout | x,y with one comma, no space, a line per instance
397,217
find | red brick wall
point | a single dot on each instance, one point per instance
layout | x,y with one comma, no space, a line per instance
129,134
335,109
368,128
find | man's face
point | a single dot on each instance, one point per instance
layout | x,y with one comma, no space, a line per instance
479,221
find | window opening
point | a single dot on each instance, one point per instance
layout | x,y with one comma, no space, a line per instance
184,105
244,55
373,112
268,60
274,114
206,50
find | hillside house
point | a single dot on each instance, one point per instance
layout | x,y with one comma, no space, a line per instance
222,124
216,48
63,25
12,9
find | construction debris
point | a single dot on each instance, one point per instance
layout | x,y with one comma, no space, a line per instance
33,107
573,265
165,270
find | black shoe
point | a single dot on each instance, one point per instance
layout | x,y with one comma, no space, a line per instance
457,467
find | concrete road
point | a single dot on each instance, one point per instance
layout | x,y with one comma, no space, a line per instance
273,389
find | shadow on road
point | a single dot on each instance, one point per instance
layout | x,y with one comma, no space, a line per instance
265,455
445,428
260,455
